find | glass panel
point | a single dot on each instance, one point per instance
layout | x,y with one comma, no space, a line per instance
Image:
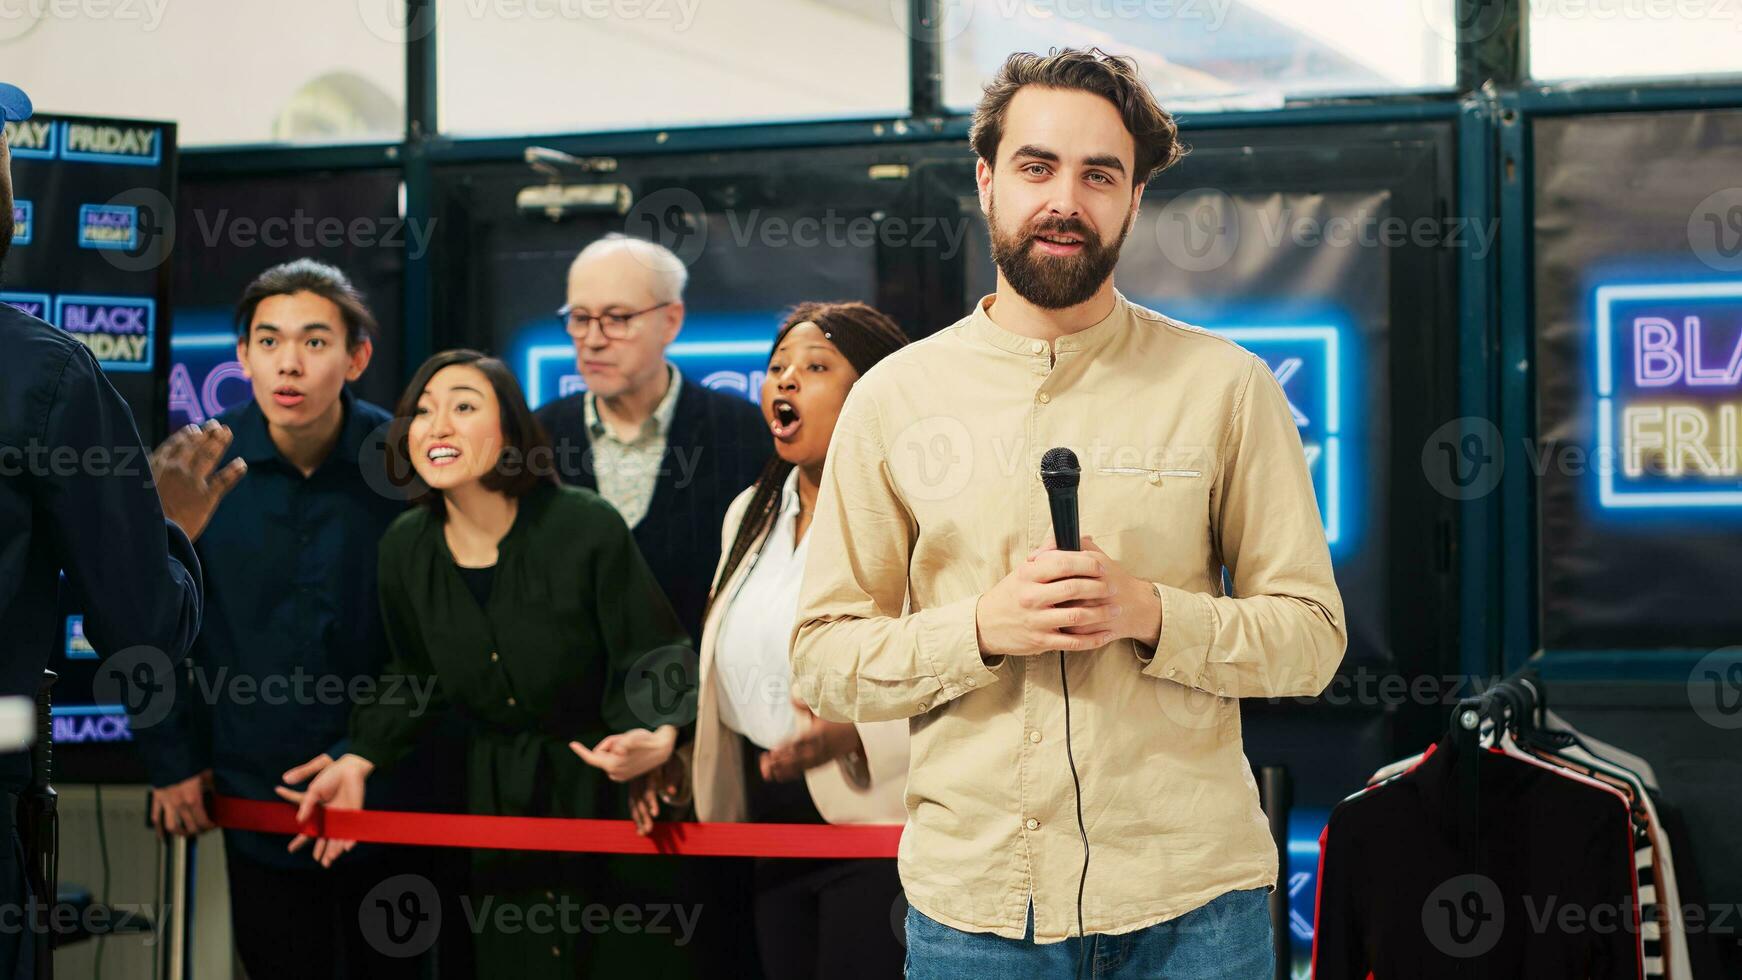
315,70
548,66
1634,38
1215,53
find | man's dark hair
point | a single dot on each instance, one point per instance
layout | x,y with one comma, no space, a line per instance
1112,77
309,276
527,460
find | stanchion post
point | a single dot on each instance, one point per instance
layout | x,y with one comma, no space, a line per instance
1277,794
173,924
39,825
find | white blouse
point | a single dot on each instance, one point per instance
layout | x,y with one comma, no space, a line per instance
752,667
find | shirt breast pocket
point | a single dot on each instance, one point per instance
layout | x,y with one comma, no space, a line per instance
1145,487
1144,514
1153,475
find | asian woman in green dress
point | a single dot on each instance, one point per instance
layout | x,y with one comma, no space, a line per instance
531,607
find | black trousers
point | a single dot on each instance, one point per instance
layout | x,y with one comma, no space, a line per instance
296,923
830,920
821,919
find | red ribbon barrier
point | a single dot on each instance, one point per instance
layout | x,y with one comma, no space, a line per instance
782,840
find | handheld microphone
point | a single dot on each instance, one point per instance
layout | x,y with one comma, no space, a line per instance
1060,474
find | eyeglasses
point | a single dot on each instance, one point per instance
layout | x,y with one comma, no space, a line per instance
615,326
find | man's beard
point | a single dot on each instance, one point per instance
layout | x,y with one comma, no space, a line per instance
1054,282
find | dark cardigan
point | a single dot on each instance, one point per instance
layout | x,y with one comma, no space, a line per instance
720,442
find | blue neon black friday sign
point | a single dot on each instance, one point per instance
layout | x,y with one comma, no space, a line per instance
1668,381
1307,361
723,351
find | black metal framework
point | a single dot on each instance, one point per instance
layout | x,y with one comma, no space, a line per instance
1491,43
925,59
1507,706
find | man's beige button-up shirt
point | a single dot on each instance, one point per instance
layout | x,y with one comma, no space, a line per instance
931,494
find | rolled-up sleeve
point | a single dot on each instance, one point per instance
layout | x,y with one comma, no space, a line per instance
1282,632
855,655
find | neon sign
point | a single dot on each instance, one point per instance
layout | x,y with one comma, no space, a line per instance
1307,362
730,353
39,305
205,379
119,330
1669,393
1307,359
23,222
551,374
78,724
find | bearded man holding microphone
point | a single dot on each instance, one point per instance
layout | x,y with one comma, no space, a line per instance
1077,785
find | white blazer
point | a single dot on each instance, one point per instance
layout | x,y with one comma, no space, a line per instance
716,759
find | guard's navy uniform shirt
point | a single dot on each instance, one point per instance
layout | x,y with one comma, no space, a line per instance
292,625
76,494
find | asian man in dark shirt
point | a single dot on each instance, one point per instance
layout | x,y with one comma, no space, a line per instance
292,636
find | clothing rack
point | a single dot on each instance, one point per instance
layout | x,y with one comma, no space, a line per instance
1509,705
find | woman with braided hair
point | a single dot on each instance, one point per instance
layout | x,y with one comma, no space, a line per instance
760,755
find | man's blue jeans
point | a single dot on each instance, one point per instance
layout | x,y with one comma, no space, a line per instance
1228,939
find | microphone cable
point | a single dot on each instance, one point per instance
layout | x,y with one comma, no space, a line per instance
1082,829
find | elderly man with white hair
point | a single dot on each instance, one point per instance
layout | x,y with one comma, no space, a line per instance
670,455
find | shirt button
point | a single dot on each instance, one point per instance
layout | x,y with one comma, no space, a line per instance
1032,824
493,657
922,706
511,701
1172,671
1034,736
550,895
1038,346
972,681
1044,398
1155,477
554,951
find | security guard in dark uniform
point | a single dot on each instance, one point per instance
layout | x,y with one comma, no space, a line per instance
76,494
